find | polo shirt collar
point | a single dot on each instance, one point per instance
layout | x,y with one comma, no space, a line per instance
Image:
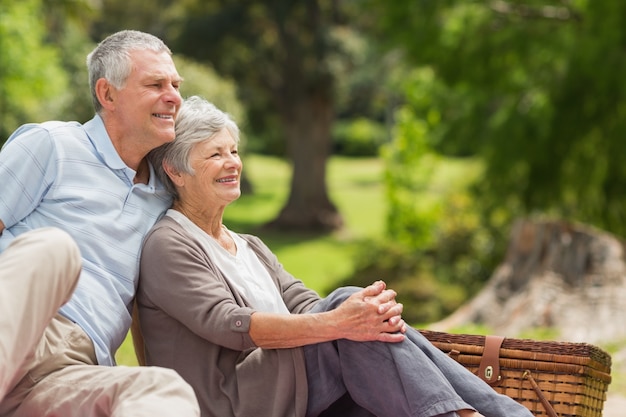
104,147
102,143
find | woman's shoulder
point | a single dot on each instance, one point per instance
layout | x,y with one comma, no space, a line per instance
163,227
165,233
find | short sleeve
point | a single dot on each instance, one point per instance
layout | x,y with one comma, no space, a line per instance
27,170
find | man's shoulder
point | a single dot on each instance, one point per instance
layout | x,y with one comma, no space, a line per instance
65,131
48,128
58,124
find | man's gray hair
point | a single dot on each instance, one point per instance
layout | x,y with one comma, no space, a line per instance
111,58
197,121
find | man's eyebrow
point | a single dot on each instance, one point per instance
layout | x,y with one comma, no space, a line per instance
162,77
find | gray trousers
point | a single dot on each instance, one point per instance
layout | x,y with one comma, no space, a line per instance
410,378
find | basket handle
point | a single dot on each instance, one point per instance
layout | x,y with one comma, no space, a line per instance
544,401
489,369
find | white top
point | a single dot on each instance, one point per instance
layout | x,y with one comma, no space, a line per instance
243,270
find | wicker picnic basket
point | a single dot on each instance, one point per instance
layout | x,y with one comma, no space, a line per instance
554,379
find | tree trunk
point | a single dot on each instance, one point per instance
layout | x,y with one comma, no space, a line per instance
308,120
568,278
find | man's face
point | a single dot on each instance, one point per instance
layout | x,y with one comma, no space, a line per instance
145,108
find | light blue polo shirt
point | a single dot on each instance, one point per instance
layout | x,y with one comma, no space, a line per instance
70,176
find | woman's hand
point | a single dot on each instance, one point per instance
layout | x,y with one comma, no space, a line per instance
371,314
367,315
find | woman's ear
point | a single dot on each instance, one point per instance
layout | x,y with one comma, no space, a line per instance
174,174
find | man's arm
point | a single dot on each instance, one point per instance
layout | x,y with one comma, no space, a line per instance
1,227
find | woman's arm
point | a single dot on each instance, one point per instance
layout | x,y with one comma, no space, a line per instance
367,315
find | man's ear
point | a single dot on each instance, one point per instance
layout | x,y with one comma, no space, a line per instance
105,93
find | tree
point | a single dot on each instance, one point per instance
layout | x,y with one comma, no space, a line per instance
518,87
534,88
152,16
67,26
281,55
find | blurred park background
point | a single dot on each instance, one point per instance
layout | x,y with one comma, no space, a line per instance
382,139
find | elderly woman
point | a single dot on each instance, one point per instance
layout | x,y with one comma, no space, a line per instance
252,340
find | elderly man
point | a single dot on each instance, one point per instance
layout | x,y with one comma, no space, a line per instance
75,204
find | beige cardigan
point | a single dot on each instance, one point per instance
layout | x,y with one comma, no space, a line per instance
193,321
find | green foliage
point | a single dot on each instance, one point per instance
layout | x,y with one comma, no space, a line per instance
437,251
536,90
409,167
273,51
434,278
202,80
74,44
32,81
61,27
152,16
410,273
358,137
519,88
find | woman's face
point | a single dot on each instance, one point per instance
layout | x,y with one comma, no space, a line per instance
217,168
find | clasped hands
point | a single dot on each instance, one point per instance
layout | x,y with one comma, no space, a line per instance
373,314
